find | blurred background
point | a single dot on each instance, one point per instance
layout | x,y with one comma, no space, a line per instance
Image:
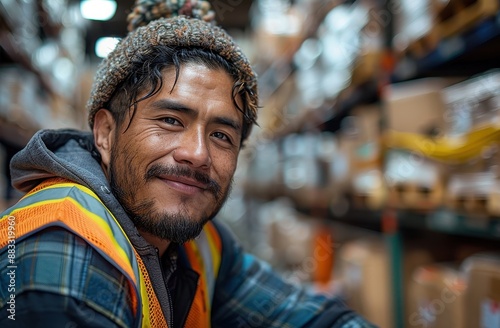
374,172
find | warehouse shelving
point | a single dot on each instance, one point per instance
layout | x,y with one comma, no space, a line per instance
473,51
468,53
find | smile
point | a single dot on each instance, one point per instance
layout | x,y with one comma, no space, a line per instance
184,185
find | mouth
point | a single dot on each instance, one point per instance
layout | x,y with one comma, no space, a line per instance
184,185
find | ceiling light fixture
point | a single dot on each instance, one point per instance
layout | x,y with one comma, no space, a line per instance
101,10
105,45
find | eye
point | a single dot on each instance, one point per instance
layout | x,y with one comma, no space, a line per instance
170,120
222,136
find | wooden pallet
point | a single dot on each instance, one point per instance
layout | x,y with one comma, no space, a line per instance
374,201
480,204
474,193
412,196
367,188
459,15
469,204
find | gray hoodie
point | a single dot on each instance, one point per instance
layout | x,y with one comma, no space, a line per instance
71,154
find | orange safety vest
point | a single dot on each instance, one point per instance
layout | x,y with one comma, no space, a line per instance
58,202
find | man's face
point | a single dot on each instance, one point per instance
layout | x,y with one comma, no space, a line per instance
172,168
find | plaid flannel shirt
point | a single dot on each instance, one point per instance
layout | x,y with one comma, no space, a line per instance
63,281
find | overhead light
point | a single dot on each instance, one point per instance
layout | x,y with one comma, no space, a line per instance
101,10
63,69
105,45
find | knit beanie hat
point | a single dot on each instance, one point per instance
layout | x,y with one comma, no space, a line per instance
182,23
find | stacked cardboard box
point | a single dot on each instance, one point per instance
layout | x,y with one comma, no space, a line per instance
446,295
436,297
482,297
473,110
360,144
414,180
365,271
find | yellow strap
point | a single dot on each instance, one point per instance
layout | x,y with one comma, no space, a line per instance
447,149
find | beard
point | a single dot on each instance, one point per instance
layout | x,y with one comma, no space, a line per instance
176,225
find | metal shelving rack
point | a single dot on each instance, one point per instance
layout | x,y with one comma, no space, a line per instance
393,224
472,52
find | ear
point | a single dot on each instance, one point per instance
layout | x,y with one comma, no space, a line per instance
104,132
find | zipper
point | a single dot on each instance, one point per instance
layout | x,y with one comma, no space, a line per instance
171,325
170,305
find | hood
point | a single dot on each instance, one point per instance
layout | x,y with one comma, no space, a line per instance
69,154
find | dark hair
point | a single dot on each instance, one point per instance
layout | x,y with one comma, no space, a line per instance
146,74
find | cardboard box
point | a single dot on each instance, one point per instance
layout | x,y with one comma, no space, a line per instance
474,187
472,103
416,106
436,297
482,296
365,269
414,182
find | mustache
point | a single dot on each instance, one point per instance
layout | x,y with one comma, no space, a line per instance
158,169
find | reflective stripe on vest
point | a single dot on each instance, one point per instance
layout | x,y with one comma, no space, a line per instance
79,210
76,208
204,254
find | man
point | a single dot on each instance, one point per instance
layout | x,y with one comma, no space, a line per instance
116,228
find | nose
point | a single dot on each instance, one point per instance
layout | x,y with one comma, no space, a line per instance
193,149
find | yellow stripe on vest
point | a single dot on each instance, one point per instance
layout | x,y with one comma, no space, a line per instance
96,219
214,250
81,214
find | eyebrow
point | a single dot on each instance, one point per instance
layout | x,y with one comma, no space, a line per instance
167,104
227,122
